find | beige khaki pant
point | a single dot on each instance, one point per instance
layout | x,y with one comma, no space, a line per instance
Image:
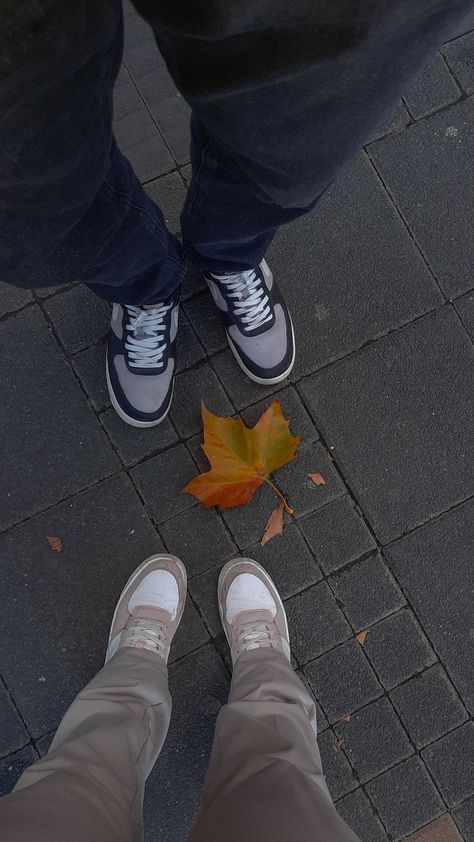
264,784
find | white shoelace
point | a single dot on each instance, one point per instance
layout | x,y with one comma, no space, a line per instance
252,302
148,328
145,634
253,636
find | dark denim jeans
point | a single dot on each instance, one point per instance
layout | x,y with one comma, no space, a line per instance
262,152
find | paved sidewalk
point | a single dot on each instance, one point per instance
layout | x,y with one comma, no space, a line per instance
380,280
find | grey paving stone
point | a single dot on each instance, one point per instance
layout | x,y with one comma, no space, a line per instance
337,534
204,589
52,442
433,88
434,568
247,523
13,766
192,387
459,55
288,561
207,322
242,391
169,814
451,761
161,480
136,30
79,317
194,445
172,116
465,309
127,101
199,537
13,734
189,350
398,416
123,77
105,535
396,121
359,814
300,491
374,739
343,680
144,58
363,275
155,86
168,192
397,648
339,775
430,177
149,156
89,366
192,283
464,817
135,444
191,635
428,705
293,410
315,622
405,797
13,298
367,592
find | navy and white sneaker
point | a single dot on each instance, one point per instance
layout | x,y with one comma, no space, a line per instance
258,324
141,361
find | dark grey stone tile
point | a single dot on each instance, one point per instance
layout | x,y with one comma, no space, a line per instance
241,389
168,192
136,30
459,55
339,775
247,523
189,350
185,756
13,734
194,445
172,116
127,101
429,173
203,589
288,561
79,317
89,366
405,797
432,89
359,814
465,309
105,535
356,270
315,622
428,706
135,444
52,442
191,634
13,298
398,416
367,592
13,766
337,534
155,85
192,387
464,817
434,567
397,648
374,739
451,761
343,680
148,156
199,537
293,410
206,321
161,480
192,283
123,77
396,121
299,490
143,58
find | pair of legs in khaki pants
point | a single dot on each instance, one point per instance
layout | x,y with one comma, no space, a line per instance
265,782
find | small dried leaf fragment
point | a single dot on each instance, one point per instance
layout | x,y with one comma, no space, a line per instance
340,744
274,525
55,543
346,718
317,478
361,636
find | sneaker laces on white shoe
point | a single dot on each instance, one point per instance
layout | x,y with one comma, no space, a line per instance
252,302
145,634
148,328
254,635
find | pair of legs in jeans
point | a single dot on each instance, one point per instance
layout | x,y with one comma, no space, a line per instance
282,95
264,783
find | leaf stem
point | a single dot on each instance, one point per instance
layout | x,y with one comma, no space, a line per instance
288,508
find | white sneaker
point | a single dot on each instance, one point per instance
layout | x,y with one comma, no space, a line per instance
251,609
150,607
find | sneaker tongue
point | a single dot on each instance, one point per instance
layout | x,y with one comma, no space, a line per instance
147,612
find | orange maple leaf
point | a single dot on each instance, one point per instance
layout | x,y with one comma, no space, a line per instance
241,459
